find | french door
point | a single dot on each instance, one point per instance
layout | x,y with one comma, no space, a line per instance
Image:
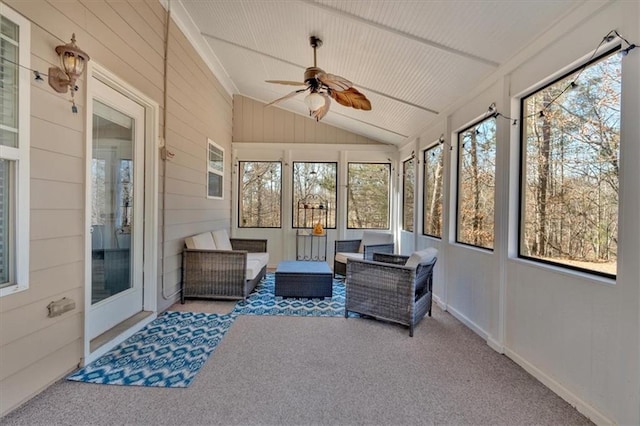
116,207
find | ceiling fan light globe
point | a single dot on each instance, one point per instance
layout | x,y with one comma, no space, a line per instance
314,101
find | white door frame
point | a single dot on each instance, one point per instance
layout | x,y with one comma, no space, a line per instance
150,261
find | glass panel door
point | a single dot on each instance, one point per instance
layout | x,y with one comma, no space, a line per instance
116,208
112,201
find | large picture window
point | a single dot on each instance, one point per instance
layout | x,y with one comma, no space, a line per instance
569,187
433,177
215,171
368,196
316,181
260,187
476,184
14,151
408,183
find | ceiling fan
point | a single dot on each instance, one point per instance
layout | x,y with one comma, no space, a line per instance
322,87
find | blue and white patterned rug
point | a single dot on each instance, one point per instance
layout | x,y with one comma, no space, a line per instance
168,352
262,301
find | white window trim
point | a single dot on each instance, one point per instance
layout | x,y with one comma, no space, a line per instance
211,143
20,214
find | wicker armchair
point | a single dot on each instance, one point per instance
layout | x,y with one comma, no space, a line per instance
391,287
224,274
371,242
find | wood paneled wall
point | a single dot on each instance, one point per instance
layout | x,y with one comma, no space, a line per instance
253,121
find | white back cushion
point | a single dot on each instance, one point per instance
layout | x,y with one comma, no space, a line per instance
418,257
222,239
342,257
202,241
372,238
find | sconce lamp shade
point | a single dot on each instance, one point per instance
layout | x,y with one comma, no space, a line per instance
314,101
73,61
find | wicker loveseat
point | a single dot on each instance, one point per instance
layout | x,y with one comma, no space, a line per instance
371,242
392,287
218,267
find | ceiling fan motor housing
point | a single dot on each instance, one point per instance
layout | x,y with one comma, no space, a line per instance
310,77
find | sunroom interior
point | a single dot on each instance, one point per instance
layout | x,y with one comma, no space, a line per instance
503,134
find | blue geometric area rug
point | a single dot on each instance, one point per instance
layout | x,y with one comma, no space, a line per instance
262,301
168,352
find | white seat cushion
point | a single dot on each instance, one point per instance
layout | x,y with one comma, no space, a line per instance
202,241
421,256
261,258
374,238
253,268
221,239
342,257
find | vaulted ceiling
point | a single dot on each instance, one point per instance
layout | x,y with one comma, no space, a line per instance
412,59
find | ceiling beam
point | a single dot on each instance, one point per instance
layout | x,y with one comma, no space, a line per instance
368,89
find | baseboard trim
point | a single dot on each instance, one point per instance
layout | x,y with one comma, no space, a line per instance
584,408
495,345
440,303
466,321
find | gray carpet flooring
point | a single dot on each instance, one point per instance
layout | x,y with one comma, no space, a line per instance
323,371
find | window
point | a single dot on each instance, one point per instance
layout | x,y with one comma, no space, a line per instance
569,179
314,181
14,151
433,171
476,184
260,187
408,182
215,171
368,196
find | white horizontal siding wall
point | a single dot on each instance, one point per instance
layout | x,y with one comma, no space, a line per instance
127,39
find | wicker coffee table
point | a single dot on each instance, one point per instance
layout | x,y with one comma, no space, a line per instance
298,278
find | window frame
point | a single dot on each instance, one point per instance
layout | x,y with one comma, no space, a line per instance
19,213
521,165
424,190
404,193
293,198
458,183
240,193
388,166
215,171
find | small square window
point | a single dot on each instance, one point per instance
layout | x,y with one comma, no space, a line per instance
215,171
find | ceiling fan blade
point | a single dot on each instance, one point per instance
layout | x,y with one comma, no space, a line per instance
323,110
287,82
352,98
334,82
287,96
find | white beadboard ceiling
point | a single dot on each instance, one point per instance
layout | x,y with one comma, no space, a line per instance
411,58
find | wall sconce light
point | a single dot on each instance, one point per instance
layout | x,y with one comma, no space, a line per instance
73,61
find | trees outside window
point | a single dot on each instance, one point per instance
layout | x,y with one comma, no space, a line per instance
260,188
476,184
368,196
433,177
318,180
569,179
408,183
